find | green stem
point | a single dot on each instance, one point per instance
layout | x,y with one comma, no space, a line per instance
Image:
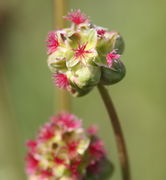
122,152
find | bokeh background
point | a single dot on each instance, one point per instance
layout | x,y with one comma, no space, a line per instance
28,97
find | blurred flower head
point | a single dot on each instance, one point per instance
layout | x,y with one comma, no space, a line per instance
63,150
84,55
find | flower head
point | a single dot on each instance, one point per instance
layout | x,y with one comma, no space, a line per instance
61,80
111,57
52,42
77,17
84,55
61,150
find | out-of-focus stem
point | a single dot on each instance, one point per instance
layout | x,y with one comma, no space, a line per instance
60,9
10,166
121,146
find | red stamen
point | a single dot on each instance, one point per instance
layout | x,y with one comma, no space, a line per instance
101,32
61,80
52,42
59,161
111,57
77,17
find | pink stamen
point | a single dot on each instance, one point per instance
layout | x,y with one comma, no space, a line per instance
31,145
45,174
81,52
97,149
61,80
74,169
92,130
77,17
72,147
52,42
59,161
31,164
111,57
101,32
67,121
46,132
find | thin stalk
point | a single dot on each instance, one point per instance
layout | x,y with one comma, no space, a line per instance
60,9
121,146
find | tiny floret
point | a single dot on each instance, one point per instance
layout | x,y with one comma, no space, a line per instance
81,52
101,32
111,57
52,42
32,163
97,149
92,129
61,80
77,17
68,121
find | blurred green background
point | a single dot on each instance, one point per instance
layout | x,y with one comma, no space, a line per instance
27,95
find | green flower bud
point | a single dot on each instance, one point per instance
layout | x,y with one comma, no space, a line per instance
119,44
114,74
85,77
110,41
104,173
105,44
77,92
57,60
73,40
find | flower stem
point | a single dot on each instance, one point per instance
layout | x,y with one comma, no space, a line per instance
60,8
122,152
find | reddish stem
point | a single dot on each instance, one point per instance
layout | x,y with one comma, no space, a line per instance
122,152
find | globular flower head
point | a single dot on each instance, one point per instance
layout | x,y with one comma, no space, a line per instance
64,150
85,55
77,17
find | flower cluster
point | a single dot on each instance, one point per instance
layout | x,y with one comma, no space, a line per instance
84,55
63,150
